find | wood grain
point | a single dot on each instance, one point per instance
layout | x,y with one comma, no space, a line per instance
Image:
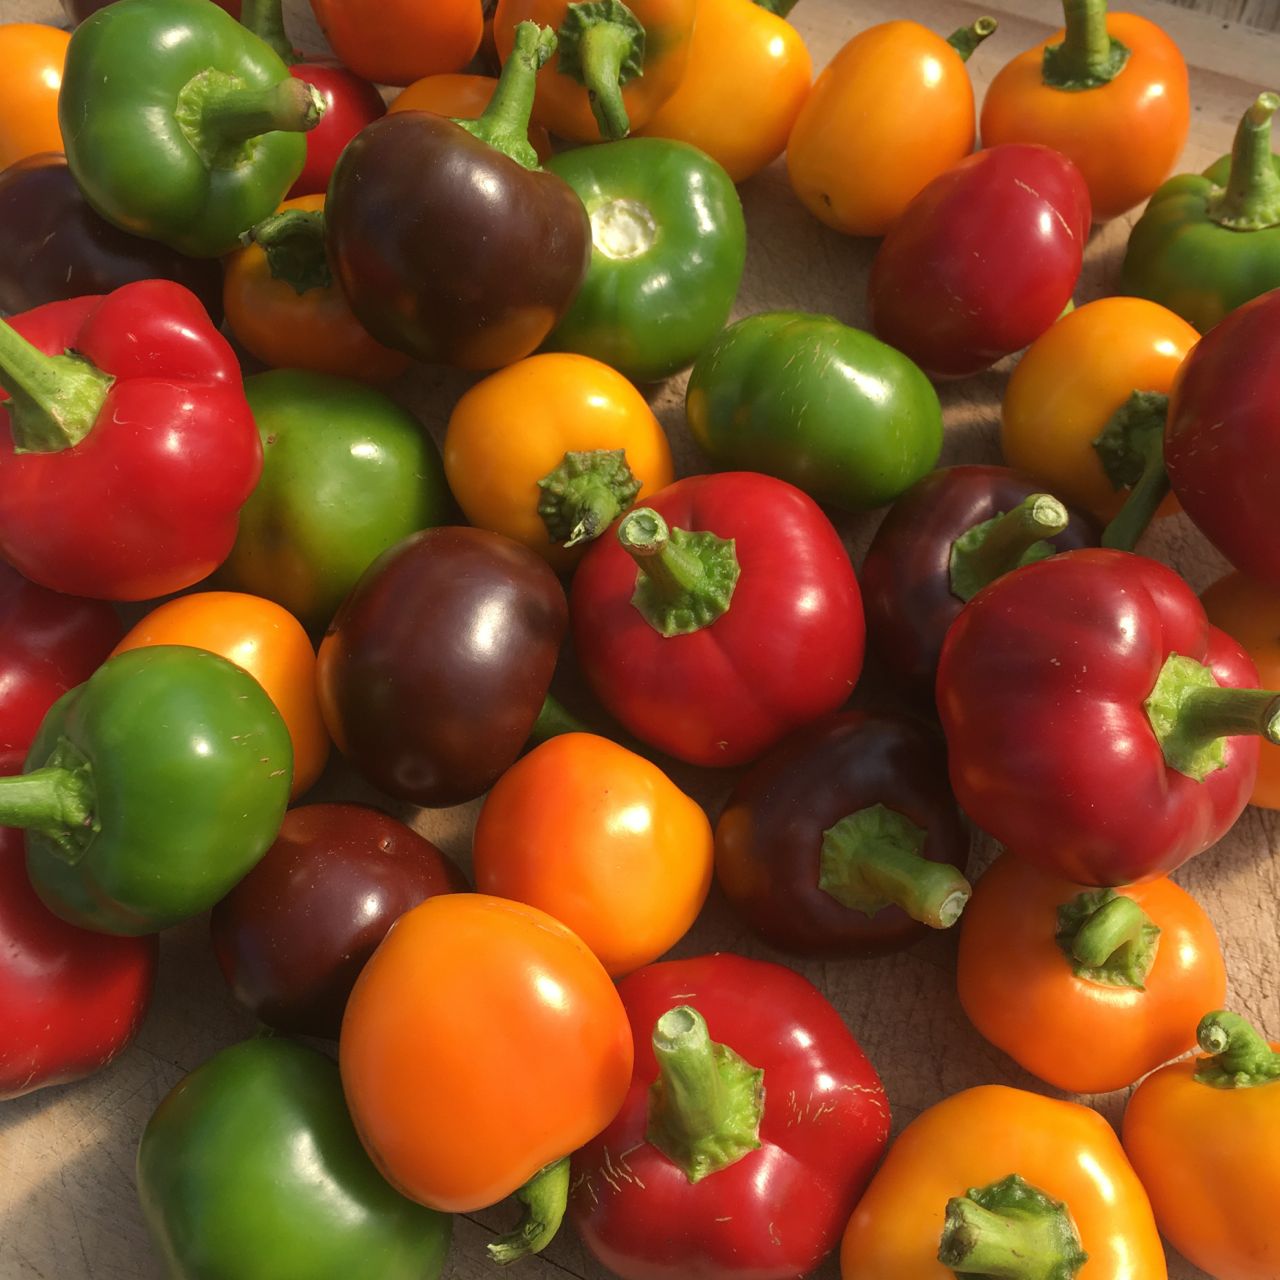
68,1209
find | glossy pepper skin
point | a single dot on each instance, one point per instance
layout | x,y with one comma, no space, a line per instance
790,394
399,42
982,261
79,10
1109,92
150,790
180,125
145,436
669,245
766,624
1221,446
743,1186
937,548
1041,691
242,1166
34,55
496,248
53,247
844,839
1087,990
1202,1135
978,1138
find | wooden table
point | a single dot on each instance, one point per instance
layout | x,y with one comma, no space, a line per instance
68,1209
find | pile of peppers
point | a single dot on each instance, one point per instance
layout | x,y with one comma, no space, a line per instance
256,615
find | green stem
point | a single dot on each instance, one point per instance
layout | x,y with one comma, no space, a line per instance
1241,1058
602,46
1251,199
966,39
505,122
294,243
1206,714
781,7
545,1198
585,493
1108,938
1140,507
265,18
217,111
51,801
53,400
995,547
554,719
1088,57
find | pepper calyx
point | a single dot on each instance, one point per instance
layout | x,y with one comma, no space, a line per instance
1240,1057
987,551
293,241
585,493
1250,201
218,113
602,46
1108,939
1087,57
545,1198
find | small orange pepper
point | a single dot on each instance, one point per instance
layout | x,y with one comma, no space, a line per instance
32,55
461,97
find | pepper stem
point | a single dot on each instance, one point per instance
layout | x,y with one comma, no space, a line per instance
545,1198
265,18
966,39
706,1105
1251,199
554,719
1010,1230
1241,1058
53,400
585,494
56,801
602,45
505,122
1088,56
780,7
218,112
872,859
1108,938
293,241
995,547
1140,507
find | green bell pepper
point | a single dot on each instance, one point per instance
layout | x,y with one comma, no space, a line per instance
669,245
179,124
1209,243
251,1169
150,789
346,473
805,398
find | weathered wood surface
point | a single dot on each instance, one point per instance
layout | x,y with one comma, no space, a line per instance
68,1209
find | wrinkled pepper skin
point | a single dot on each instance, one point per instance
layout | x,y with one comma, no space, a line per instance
1041,686
778,1210
250,1169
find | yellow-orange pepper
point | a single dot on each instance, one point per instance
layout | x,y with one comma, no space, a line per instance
32,55
461,97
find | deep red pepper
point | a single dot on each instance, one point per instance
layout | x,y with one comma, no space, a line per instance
776,1177
1041,690
762,603
123,466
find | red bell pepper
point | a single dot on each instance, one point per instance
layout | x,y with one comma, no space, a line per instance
744,1153
719,617
123,463
1097,725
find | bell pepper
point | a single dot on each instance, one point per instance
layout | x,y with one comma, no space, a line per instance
346,474
123,462
719,617
1097,725
950,534
778,392
752,1124
588,448
616,64
150,790
1000,1182
250,1167
459,96
496,247
70,1000
668,249
293,935
180,125
399,41
53,247
845,839
891,111
1203,1136
1221,447
601,839
1208,243
982,261
79,10
33,56
1109,91
1088,989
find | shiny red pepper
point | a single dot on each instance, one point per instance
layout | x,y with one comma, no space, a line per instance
1097,725
742,622
123,465
742,1158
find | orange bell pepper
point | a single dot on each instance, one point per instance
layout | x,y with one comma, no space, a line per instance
891,111
461,97
264,639
1109,91
737,43
1250,614
601,839
586,449
1204,1136
32,55
1089,989
614,66
1000,1182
